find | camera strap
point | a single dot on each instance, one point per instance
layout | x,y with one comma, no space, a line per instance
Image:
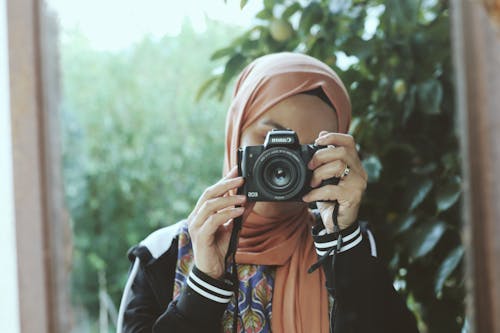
230,261
335,250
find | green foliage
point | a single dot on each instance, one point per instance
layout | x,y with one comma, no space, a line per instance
400,80
138,151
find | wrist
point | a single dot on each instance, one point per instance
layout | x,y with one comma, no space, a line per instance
342,227
216,275
323,241
212,273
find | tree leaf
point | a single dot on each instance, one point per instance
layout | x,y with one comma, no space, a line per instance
403,14
426,237
243,3
269,4
419,192
394,263
450,161
466,326
356,46
447,195
425,169
312,14
405,223
233,66
430,94
222,53
292,9
265,14
409,10
409,103
250,45
205,86
447,267
373,168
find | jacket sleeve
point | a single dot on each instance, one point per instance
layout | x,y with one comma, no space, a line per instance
199,307
365,298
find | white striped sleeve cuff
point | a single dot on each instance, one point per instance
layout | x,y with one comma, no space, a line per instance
216,290
323,242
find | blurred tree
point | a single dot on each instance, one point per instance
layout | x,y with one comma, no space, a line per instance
134,141
394,57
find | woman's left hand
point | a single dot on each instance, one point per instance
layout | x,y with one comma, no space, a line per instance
332,162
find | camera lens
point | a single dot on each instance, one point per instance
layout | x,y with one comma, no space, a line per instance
280,177
279,173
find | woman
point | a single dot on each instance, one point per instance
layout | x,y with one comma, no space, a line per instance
179,281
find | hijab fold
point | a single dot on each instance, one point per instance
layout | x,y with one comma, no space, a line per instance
300,300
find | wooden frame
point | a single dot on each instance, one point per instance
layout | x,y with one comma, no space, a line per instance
41,229
476,46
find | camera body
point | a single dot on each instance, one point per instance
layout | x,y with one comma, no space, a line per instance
277,170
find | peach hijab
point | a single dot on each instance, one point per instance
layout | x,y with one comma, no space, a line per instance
300,300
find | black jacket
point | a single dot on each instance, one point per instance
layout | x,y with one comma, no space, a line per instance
366,299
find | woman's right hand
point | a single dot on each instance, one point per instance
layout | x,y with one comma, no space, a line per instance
210,226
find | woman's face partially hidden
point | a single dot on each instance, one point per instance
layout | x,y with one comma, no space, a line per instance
307,115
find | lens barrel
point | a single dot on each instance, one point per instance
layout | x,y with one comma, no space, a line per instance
279,173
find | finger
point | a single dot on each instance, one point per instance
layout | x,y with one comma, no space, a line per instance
337,139
346,196
218,189
214,206
322,133
222,187
327,171
329,154
213,223
344,140
232,173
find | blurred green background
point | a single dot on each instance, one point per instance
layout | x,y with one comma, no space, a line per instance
143,136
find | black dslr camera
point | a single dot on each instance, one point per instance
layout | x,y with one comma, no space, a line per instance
277,170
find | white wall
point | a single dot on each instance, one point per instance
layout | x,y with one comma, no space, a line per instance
9,302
